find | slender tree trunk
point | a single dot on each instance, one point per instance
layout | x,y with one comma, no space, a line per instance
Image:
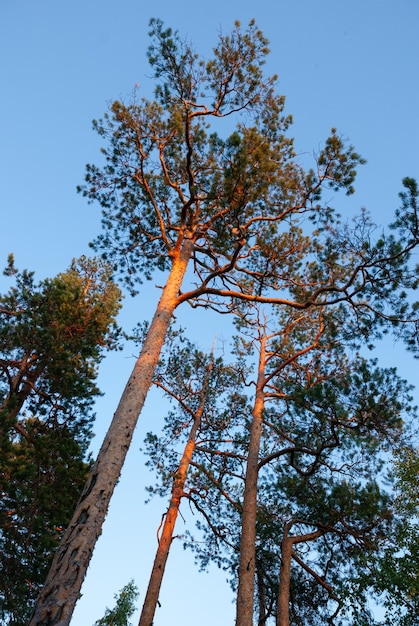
20,387
246,576
162,554
56,602
287,553
261,597
283,612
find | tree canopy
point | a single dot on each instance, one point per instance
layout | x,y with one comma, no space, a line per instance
202,185
123,609
328,420
53,334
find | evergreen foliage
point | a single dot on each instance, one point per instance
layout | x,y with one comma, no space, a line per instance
329,422
226,211
52,336
124,607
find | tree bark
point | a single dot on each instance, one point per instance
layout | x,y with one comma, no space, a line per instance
287,552
21,386
283,614
263,615
56,602
246,576
162,554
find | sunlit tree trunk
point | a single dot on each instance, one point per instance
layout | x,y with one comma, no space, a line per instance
246,577
56,602
157,573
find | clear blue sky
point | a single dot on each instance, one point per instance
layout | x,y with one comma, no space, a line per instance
350,65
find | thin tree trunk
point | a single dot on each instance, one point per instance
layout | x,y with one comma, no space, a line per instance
283,613
56,602
261,597
21,386
162,554
287,553
246,576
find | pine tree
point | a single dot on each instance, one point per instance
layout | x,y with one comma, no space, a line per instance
178,193
292,456
52,335
124,608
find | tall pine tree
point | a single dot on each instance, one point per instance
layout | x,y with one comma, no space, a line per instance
178,193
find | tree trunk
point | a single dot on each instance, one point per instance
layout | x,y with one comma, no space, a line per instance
56,602
287,553
283,613
246,576
261,597
162,554
21,386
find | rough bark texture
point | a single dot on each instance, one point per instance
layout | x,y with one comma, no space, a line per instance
246,577
56,602
162,554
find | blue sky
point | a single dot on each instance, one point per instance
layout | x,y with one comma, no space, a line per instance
350,65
